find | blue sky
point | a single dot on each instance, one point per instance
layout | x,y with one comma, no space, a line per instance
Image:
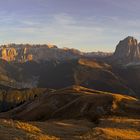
88,25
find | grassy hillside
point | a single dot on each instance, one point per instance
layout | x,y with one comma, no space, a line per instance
75,102
73,113
114,128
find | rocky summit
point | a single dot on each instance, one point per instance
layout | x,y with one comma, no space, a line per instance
127,51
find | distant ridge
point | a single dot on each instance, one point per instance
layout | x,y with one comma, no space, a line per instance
28,52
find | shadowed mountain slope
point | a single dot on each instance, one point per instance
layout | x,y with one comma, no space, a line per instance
75,102
85,72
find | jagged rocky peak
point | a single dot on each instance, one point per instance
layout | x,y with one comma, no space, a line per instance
128,50
131,41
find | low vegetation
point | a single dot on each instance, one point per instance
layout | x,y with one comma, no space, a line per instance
115,128
112,128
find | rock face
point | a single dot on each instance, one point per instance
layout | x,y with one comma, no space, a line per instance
10,53
127,51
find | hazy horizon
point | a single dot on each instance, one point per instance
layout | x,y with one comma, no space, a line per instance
87,25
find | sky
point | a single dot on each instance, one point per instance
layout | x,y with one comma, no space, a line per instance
88,25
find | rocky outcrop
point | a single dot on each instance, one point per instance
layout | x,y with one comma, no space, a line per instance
10,53
127,51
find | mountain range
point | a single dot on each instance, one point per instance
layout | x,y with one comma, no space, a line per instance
127,52
50,85
27,52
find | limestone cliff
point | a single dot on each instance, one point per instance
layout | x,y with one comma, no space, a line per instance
10,53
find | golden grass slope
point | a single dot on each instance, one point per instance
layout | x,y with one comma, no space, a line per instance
66,115
50,130
113,128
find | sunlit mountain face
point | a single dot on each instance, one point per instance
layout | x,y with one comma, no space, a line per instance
69,70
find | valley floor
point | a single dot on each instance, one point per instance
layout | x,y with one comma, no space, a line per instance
114,128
